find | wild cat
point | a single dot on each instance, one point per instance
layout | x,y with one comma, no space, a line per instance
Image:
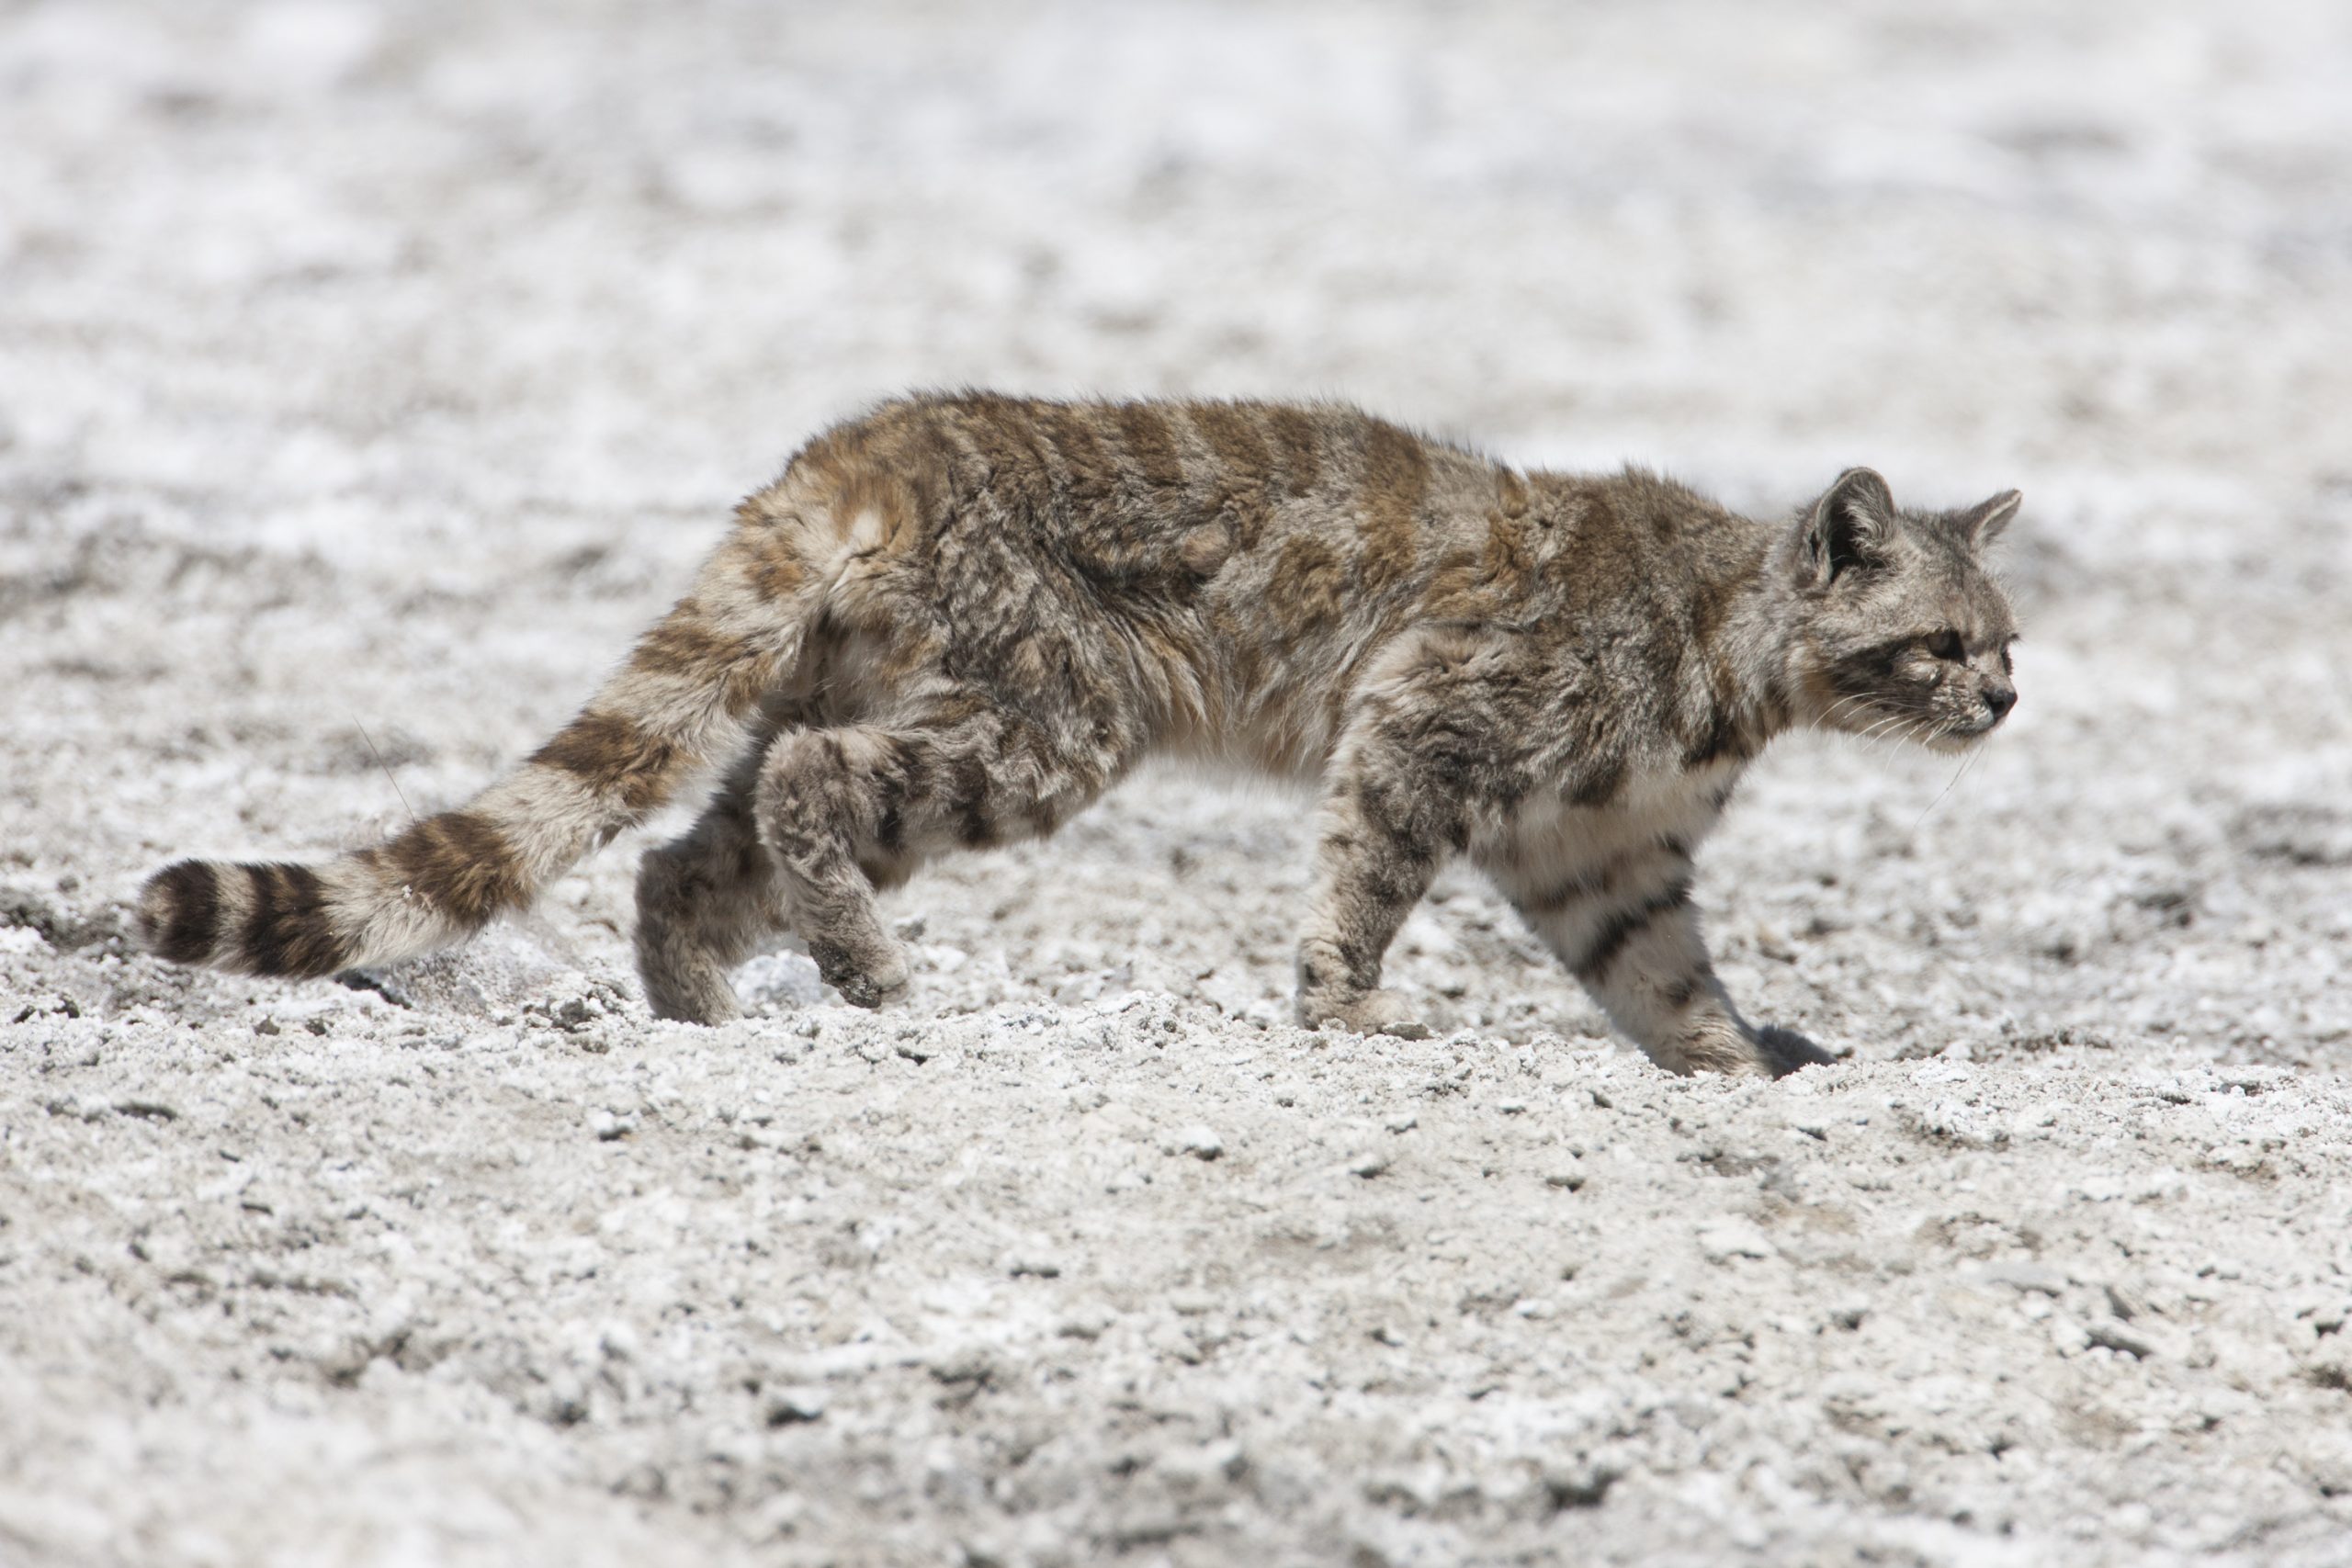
956,621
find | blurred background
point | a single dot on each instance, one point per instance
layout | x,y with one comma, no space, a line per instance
657,243
388,364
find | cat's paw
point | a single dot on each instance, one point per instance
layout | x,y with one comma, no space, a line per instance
865,980
702,995
1375,1012
1784,1051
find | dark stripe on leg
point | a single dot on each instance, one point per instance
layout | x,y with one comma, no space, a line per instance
1626,924
1608,876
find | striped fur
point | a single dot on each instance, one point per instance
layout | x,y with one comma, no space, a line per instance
955,622
680,700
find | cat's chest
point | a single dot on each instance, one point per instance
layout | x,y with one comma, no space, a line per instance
1667,801
1659,805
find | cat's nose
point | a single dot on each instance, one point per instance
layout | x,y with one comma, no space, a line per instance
2000,699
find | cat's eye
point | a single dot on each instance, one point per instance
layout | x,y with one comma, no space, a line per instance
1946,645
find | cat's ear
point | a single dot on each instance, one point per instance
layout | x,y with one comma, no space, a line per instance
1847,529
1981,524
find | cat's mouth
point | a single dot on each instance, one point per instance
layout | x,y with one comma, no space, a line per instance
1868,720
1948,736
1953,737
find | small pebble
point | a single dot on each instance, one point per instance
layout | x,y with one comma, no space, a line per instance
1727,1239
1086,1323
1200,1142
974,1366
792,1406
2023,1277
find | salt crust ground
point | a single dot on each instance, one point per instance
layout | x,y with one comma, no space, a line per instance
368,376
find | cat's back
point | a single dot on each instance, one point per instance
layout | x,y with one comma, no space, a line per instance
1138,489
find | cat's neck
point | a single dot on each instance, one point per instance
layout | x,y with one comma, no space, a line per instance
1732,573
1755,640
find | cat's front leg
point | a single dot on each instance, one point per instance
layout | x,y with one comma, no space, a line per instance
1625,927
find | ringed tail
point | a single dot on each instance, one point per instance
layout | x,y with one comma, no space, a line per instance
679,703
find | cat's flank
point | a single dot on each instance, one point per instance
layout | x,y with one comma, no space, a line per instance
956,621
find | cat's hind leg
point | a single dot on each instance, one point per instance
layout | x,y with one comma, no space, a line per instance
704,901
1394,807
846,808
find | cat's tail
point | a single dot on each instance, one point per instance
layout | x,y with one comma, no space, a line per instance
682,700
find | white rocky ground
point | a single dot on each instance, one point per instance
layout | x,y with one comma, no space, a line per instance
367,375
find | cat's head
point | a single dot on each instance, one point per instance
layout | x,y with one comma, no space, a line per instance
1899,629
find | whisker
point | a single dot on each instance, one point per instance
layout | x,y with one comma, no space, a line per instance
1948,788
389,779
1858,703
1970,760
1892,724
1831,714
